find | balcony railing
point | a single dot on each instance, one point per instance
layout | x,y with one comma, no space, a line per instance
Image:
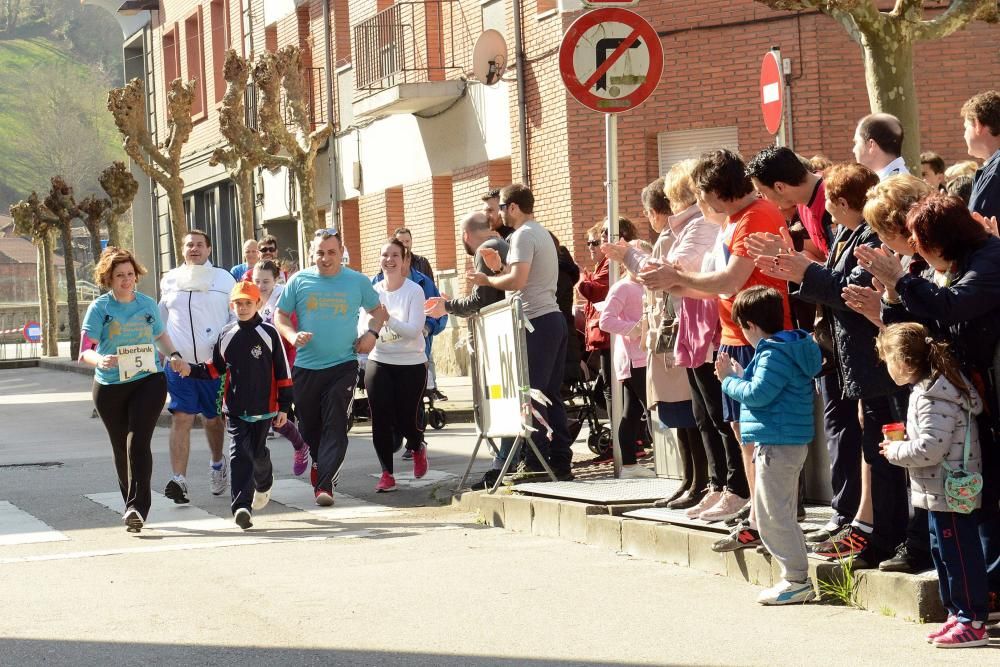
411,42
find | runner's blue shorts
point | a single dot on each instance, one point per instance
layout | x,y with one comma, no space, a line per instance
192,396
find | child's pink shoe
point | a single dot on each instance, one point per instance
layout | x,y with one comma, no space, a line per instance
963,635
943,630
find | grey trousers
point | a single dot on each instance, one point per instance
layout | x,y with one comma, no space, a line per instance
775,504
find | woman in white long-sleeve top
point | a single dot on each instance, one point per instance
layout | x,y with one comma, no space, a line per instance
396,371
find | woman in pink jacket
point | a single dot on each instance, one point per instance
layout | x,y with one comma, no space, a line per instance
621,315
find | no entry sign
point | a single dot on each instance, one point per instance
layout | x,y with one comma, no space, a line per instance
611,60
772,92
32,332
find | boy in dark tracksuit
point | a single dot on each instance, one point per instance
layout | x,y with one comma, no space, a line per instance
250,356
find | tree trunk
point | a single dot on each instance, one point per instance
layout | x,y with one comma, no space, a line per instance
304,176
114,233
178,221
72,303
50,299
243,179
94,231
888,57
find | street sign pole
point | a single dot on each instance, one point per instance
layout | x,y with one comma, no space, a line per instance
611,60
611,141
780,139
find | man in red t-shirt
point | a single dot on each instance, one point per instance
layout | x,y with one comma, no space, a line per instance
723,185
782,178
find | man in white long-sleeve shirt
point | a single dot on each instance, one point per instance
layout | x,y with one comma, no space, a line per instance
194,305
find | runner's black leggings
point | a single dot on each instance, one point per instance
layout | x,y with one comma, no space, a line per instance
129,412
394,396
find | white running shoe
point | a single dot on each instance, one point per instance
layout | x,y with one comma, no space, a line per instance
637,472
706,503
729,505
260,499
787,592
219,478
133,520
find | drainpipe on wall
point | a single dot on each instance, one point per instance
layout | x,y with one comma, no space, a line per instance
522,111
331,147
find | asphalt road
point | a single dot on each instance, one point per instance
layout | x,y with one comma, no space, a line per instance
396,579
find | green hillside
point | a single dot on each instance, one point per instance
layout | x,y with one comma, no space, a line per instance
35,74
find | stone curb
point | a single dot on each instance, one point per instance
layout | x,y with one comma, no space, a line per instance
904,596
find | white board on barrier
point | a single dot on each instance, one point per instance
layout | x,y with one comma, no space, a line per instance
499,369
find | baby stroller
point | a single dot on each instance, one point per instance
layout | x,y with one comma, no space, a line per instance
578,399
359,410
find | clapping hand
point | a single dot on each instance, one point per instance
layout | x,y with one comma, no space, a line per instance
659,276
434,306
866,301
477,278
726,366
770,245
989,223
491,258
790,266
615,251
882,263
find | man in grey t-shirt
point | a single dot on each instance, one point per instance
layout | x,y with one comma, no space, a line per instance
531,273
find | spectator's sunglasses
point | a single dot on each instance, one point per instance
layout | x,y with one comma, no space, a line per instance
593,243
268,248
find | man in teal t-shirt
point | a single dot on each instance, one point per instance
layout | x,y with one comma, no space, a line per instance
326,300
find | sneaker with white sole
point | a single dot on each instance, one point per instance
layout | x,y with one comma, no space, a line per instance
133,520
637,472
219,478
242,518
729,505
324,498
707,503
963,635
177,491
260,499
787,592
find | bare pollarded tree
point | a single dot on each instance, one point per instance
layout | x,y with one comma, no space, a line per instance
162,162
33,220
120,185
886,38
281,80
62,205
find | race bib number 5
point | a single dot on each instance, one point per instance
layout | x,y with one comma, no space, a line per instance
135,359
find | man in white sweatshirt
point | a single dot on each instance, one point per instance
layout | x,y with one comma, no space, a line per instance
194,304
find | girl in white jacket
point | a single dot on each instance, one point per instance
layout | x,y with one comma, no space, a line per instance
941,435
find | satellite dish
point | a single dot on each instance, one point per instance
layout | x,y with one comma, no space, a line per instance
489,57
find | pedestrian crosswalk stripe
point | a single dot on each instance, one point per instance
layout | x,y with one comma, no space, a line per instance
19,527
168,516
299,495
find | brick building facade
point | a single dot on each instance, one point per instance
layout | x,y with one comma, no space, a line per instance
424,167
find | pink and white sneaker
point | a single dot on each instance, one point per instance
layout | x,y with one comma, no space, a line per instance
963,635
300,460
943,630
386,483
420,462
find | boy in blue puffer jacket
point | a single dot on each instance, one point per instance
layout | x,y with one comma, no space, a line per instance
775,393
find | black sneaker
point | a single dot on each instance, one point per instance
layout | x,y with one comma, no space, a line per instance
564,476
408,454
242,518
824,535
904,561
743,537
487,482
177,492
133,520
436,394
740,518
